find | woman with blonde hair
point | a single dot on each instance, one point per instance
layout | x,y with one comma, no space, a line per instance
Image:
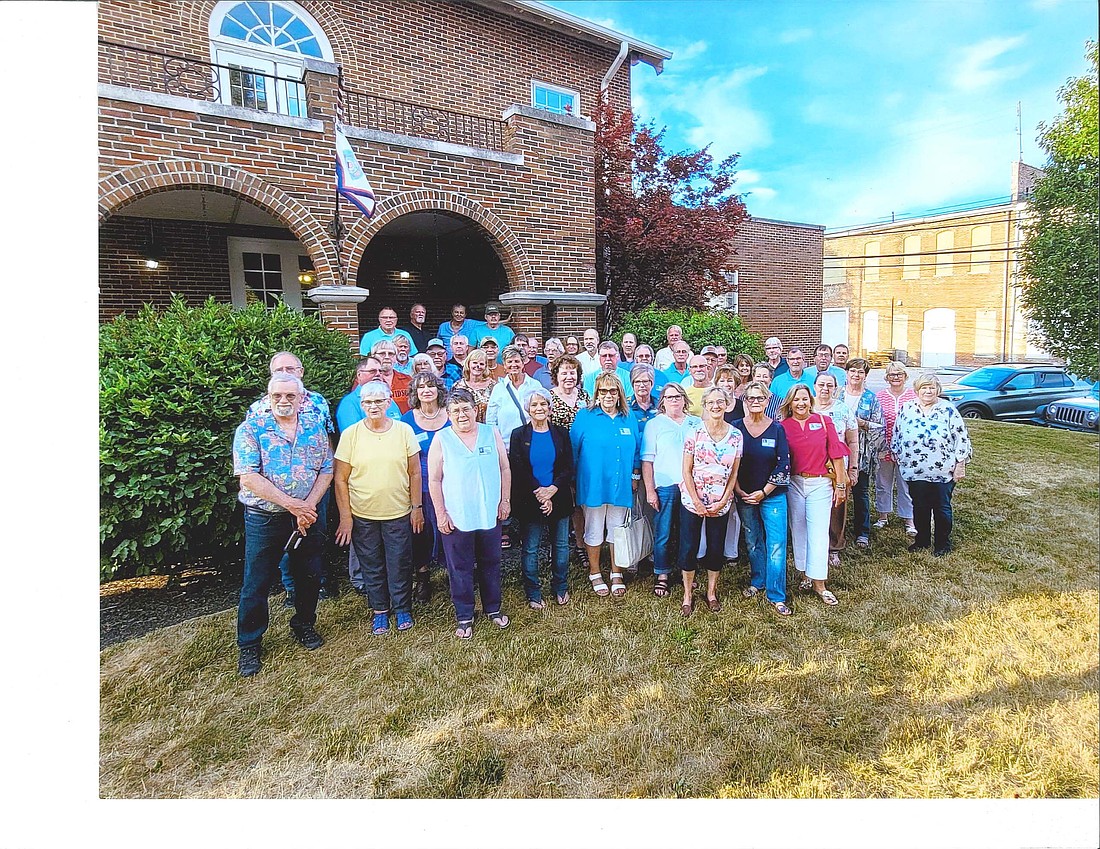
887,477
477,380
607,457
728,379
743,364
422,362
931,447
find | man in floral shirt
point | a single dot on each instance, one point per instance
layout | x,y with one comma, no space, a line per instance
284,460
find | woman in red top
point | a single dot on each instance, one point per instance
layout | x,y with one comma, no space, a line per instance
812,441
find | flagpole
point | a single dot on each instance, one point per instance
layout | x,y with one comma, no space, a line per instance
336,183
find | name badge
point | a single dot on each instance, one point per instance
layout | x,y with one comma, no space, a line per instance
815,425
767,443
422,437
484,449
625,431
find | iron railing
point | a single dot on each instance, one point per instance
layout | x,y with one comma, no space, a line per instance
231,85
373,112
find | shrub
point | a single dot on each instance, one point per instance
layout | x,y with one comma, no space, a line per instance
173,386
701,327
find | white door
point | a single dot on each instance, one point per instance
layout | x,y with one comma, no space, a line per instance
937,340
259,83
834,327
265,270
870,331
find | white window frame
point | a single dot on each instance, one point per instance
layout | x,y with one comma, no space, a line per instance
288,252
911,262
537,84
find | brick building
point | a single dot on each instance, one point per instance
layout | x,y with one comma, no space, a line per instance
778,280
940,287
217,141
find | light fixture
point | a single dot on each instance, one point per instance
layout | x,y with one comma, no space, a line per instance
151,251
305,278
404,275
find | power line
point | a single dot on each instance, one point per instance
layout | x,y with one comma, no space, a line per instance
941,225
969,206
992,246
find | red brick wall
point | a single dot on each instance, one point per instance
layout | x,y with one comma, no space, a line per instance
779,267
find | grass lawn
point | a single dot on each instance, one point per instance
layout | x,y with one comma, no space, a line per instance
969,676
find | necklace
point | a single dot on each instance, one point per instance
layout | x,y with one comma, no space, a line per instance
432,417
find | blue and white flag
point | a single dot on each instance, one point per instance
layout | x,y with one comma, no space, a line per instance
351,182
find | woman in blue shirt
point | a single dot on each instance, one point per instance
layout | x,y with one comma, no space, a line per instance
426,417
607,457
761,490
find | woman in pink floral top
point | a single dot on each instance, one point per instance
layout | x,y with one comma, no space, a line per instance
887,477
712,454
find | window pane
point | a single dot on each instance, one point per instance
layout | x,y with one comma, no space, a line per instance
252,261
280,16
262,11
232,29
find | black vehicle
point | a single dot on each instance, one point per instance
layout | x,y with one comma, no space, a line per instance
1081,412
1008,391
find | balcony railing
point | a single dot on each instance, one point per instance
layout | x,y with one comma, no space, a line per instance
373,112
184,76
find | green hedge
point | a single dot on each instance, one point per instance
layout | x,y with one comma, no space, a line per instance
173,386
701,327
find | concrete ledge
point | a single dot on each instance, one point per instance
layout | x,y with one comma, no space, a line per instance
432,145
548,117
561,299
319,66
205,107
338,294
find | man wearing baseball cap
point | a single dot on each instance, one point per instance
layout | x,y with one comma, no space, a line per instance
493,328
448,371
492,352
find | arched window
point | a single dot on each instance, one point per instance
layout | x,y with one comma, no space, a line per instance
260,47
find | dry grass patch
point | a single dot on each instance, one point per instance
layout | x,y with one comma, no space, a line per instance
973,676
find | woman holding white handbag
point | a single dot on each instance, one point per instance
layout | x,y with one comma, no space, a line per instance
712,455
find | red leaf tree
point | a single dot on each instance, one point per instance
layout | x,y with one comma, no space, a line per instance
665,222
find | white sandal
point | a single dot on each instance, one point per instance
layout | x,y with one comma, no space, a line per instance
598,585
618,590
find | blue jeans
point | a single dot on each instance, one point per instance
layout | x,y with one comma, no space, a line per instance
692,528
284,564
932,500
862,509
765,527
559,542
265,534
384,550
668,497
473,557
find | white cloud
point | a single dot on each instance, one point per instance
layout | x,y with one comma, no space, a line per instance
747,176
716,111
974,70
692,50
760,193
792,36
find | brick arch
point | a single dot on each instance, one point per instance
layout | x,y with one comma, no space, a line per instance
195,19
507,246
129,184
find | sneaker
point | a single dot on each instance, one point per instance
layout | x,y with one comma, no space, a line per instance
880,524
289,600
248,661
910,529
308,637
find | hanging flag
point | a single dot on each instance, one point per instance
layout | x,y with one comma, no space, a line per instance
351,182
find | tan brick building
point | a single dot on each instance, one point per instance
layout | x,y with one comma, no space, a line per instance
217,143
941,287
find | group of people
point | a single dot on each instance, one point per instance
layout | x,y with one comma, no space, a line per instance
480,448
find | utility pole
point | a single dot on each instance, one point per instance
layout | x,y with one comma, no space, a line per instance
1019,133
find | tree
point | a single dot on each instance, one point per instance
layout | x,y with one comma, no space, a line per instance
1060,286
665,222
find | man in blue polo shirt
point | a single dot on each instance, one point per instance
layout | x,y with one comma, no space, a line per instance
607,354
679,368
796,373
387,330
492,327
458,325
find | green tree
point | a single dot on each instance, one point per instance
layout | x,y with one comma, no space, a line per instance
1060,284
701,327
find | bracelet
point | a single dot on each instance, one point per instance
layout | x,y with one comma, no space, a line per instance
418,507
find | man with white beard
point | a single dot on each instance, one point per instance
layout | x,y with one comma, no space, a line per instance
284,462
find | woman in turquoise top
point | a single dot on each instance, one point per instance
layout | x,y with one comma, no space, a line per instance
608,461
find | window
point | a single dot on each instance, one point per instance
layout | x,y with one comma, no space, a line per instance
1054,380
945,260
870,262
980,237
1024,380
911,262
899,335
870,331
563,101
985,333
268,271
260,47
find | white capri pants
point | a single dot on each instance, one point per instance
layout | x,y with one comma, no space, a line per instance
886,478
809,506
600,522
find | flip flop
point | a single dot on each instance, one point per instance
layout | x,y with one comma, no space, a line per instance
805,584
828,598
499,619
782,609
563,599
536,605
465,630
750,592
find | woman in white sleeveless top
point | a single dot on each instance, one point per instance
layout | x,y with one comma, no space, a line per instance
469,481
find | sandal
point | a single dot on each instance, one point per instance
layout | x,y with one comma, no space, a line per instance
660,586
834,560
805,584
505,540
499,619
618,589
750,592
381,624
880,524
536,605
828,598
863,542
563,599
782,609
598,585
910,529
404,621
465,630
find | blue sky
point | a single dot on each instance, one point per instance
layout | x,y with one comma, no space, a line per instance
846,112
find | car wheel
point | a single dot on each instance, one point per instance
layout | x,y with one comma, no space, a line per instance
973,413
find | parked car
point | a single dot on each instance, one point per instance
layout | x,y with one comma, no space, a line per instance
1008,391
1081,412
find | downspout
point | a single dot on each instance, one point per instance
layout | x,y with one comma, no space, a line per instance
624,51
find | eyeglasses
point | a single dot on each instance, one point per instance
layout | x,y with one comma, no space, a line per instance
374,403
755,399
607,391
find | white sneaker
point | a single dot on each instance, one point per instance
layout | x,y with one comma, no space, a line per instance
910,529
880,524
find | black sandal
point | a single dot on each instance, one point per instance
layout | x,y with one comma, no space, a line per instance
660,586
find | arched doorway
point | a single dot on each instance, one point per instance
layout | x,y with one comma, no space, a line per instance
433,257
